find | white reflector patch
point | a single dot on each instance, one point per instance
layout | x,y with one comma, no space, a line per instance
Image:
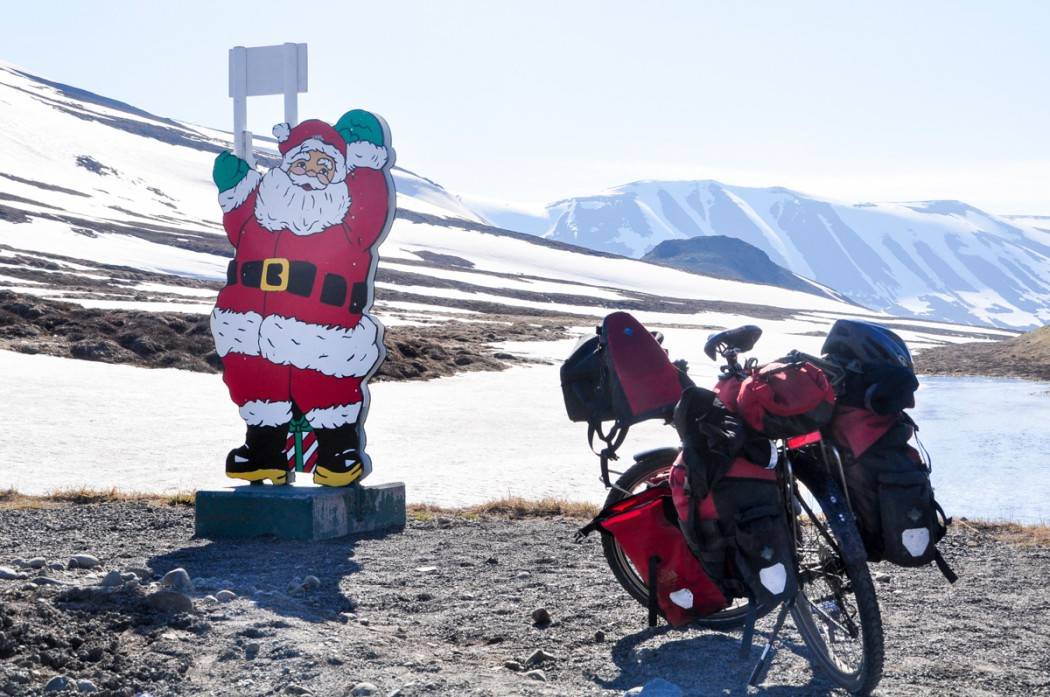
774,578
683,598
916,540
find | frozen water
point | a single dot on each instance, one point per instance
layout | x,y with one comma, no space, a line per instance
460,440
455,441
988,439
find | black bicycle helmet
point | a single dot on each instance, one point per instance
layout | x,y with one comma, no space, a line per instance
870,343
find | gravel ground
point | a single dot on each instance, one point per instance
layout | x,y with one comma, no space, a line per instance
446,608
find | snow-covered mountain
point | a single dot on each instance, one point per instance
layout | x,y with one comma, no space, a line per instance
109,206
938,259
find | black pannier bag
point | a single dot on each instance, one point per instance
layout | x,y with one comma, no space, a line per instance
586,398
889,488
622,375
724,486
887,479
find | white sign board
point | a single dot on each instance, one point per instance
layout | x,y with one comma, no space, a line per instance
264,70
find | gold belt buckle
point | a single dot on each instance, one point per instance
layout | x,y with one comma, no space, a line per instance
282,274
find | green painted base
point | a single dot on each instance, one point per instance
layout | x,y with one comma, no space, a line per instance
300,513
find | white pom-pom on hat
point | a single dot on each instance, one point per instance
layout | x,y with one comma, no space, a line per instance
281,132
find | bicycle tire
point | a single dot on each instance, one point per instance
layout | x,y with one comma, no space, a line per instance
836,610
650,469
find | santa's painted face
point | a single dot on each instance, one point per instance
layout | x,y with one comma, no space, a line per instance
313,170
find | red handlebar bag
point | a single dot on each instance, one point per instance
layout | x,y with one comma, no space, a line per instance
781,400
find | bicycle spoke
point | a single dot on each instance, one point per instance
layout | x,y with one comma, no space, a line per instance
820,607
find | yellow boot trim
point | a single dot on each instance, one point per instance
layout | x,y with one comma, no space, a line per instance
326,477
275,475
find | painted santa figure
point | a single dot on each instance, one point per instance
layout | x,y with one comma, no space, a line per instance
292,324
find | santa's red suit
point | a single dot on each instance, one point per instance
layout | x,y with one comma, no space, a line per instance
290,325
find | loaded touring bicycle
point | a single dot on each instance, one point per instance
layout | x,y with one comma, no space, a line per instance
751,514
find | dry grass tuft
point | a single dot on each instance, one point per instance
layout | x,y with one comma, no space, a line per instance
513,507
9,498
1015,534
12,499
88,495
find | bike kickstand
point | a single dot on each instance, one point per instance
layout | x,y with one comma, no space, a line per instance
762,667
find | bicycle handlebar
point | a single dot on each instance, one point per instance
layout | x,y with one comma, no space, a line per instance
730,343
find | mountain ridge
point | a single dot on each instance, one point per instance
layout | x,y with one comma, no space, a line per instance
940,259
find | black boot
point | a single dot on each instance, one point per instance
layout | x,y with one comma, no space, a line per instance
340,461
261,457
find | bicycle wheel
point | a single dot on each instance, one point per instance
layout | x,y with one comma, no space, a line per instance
650,469
836,610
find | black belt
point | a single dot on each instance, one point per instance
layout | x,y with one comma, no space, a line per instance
297,278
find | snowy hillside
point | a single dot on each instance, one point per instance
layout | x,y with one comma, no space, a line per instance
112,207
938,259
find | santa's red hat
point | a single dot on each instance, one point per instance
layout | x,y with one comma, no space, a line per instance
308,136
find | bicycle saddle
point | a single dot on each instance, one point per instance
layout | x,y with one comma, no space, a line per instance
742,339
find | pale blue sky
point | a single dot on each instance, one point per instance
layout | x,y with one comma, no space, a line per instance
531,102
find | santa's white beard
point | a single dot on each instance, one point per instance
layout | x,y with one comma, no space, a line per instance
284,205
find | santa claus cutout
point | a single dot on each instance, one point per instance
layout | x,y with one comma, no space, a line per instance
292,324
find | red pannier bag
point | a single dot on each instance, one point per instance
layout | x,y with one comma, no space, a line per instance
645,526
781,399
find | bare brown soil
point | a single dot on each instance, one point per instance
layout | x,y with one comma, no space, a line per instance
1026,356
183,340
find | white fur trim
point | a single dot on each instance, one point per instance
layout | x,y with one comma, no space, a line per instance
319,145
283,205
232,198
332,350
264,413
365,154
334,417
235,332
281,132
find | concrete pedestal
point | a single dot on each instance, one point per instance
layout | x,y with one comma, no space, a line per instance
300,513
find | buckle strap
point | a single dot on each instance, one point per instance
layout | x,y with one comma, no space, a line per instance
654,607
613,440
943,566
276,274
749,627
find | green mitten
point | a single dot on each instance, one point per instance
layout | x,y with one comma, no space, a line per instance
360,125
228,171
